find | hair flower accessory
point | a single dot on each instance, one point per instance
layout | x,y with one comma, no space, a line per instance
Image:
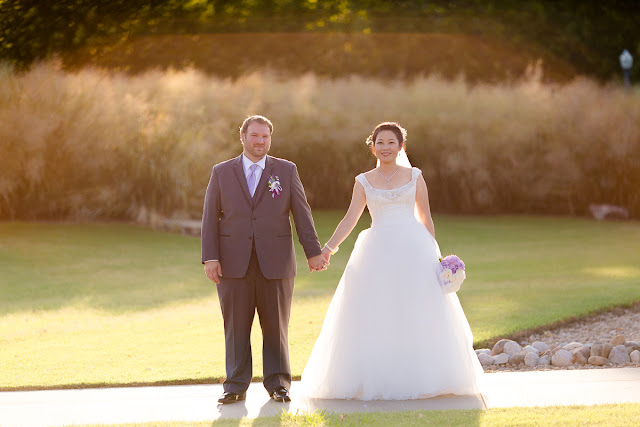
274,186
451,273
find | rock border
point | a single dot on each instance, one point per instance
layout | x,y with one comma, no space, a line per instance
617,352
539,348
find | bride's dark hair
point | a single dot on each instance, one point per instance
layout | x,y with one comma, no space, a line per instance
399,131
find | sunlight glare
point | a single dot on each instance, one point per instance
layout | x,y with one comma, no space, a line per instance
615,272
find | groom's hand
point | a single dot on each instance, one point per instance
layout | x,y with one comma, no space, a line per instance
213,270
317,263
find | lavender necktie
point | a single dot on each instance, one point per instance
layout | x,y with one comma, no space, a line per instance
251,179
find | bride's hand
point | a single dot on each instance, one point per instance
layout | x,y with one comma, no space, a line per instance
326,254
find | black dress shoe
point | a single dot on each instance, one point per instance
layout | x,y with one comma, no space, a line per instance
228,397
281,394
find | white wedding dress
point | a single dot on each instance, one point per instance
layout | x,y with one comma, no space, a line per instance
390,332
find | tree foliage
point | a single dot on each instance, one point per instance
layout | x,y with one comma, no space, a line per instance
590,34
34,29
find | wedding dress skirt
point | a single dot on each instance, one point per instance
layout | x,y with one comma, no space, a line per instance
390,332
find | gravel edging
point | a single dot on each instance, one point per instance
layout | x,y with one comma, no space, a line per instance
601,327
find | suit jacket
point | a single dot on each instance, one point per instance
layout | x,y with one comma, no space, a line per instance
232,220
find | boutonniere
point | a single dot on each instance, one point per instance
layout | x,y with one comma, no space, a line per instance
274,186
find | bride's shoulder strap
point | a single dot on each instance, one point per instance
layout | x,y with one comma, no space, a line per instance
362,180
415,172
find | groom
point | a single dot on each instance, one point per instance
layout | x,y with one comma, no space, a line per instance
247,249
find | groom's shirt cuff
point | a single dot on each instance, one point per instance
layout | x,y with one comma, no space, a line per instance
210,260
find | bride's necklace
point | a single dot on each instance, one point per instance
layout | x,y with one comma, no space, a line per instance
392,175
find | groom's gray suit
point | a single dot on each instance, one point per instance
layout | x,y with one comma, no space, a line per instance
252,239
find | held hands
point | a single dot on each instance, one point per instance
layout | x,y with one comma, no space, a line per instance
325,255
317,263
213,270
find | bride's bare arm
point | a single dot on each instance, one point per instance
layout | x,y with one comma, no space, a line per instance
358,202
422,205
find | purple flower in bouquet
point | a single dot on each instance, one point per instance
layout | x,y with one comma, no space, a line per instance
452,262
452,273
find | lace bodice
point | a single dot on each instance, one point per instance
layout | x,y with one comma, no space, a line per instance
391,206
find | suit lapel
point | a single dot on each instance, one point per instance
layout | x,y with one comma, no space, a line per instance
241,178
264,179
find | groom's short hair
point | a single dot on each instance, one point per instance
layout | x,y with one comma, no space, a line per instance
255,118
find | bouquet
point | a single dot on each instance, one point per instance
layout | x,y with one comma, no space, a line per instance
451,273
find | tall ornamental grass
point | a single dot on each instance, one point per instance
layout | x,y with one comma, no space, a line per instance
97,144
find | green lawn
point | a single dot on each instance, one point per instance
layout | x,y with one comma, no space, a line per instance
121,304
560,416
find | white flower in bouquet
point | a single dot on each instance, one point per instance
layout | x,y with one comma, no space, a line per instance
458,278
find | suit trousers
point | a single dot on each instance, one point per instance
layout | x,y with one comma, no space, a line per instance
239,300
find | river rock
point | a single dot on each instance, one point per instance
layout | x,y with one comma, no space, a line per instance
516,359
512,348
531,349
618,340
598,361
607,349
554,350
499,347
501,359
597,349
562,358
541,346
485,359
635,356
483,350
585,350
531,359
545,361
619,355
631,346
572,345
579,358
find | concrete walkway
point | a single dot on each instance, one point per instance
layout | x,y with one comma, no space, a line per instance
198,402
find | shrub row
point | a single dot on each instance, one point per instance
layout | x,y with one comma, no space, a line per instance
97,144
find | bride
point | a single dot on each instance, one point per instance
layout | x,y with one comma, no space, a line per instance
390,332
